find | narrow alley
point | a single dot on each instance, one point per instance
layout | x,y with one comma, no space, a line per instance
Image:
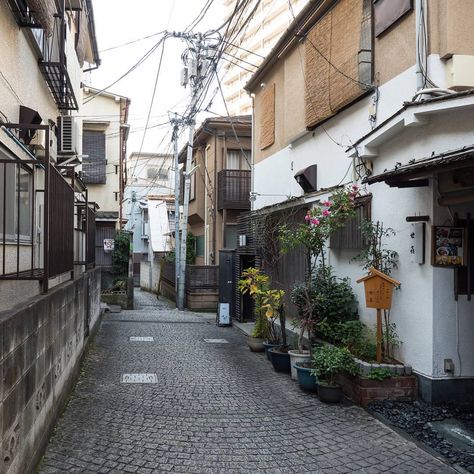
215,407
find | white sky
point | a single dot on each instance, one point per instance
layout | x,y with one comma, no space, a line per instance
121,21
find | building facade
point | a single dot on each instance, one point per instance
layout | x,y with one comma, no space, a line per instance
331,101
49,289
255,40
220,185
104,147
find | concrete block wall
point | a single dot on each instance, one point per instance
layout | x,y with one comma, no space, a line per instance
41,344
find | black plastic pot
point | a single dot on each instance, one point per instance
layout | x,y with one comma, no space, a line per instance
268,346
329,393
307,382
280,361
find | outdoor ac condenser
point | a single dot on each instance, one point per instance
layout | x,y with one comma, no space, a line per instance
67,135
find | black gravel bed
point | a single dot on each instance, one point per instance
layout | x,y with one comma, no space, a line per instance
413,419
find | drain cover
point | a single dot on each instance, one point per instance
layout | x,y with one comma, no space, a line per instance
216,341
139,378
141,339
456,433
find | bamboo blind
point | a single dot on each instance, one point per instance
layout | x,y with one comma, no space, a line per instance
332,61
44,11
82,38
267,119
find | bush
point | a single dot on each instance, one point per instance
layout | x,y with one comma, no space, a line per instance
329,361
380,373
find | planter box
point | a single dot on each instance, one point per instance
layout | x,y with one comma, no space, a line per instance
363,391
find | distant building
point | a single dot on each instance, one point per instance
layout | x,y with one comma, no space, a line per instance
149,176
104,146
258,37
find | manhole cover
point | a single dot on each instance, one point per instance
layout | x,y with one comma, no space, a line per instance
216,341
139,378
141,339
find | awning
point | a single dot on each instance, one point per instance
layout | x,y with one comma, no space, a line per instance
416,173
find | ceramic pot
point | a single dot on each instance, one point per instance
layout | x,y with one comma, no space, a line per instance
268,346
295,357
308,382
255,344
329,393
280,361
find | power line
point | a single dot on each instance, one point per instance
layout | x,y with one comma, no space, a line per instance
132,42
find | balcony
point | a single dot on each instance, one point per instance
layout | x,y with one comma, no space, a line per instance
233,189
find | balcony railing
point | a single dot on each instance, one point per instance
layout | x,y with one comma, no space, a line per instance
233,189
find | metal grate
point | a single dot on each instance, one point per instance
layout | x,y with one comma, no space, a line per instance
233,189
94,161
57,78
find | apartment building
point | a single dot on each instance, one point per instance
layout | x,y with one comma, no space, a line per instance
257,38
104,147
49,289
385,100
220,185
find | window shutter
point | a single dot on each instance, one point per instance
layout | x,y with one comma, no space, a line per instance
94,162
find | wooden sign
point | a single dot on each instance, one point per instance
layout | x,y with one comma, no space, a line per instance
378,294
378,289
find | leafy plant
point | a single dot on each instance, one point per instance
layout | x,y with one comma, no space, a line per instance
354,335
268,304
190,251
121,254
379,373
330,361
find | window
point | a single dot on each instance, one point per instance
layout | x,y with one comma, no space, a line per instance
387,12
350,236
18,190
230,236
94,162
200,245
238,160
153,172
464,276
145,223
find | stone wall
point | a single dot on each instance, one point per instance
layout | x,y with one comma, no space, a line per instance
41,344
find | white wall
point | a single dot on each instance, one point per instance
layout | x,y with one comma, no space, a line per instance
423,309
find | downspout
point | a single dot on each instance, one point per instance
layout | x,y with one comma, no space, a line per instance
419,49
214,206
206,205
252,158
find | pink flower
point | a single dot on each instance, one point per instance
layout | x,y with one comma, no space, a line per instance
314,221
307,217
327,203
355,187
326,213
351,197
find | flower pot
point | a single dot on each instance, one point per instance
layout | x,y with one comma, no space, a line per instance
307,382
255,344
297,356
268,346
280,361
329,393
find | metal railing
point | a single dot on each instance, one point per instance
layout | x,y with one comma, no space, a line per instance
233,189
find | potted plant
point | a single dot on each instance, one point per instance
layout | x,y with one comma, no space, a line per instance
329,362
279,356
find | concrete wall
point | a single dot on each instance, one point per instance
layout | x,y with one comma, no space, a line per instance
150,274
41,344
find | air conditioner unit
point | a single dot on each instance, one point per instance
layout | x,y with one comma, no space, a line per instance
67,135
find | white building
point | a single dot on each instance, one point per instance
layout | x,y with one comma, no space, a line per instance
351,105
256,40
149,177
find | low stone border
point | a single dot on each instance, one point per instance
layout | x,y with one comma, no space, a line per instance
395,369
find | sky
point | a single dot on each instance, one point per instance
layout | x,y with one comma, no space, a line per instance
121,21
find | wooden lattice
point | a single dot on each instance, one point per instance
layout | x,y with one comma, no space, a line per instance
267,118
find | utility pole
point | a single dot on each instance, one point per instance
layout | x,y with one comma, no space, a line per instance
175,124
194,72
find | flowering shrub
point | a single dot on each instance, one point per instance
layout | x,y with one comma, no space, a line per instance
320,222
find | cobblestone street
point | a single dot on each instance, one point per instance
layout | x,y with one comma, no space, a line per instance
214,408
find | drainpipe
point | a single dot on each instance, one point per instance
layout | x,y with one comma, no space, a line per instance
421,53
252,158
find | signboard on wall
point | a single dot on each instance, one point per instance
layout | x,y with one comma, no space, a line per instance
109,245
448,246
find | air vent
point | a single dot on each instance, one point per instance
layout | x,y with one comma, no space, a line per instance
67,135
307,179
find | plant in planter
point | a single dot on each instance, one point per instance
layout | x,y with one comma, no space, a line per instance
267,303
329,362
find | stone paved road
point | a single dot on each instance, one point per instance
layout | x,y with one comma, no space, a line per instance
216,408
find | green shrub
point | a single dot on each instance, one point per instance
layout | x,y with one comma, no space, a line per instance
380,373
329,361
